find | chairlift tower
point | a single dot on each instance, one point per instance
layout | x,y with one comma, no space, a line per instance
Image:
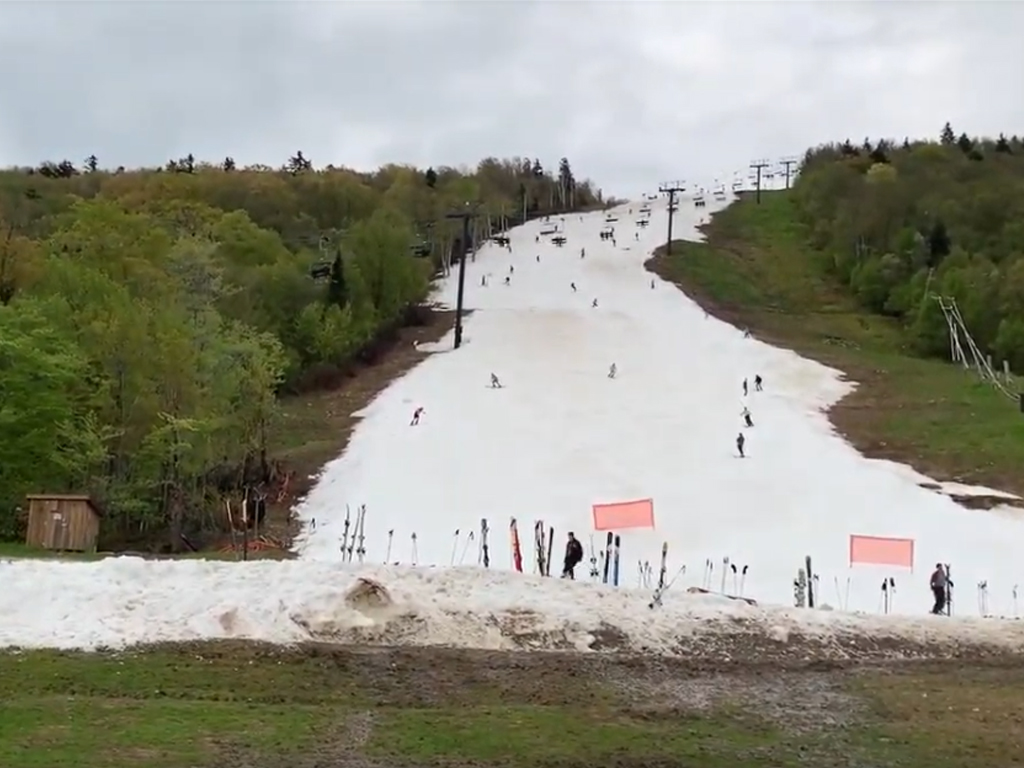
758,167
786,165
466,216
671,188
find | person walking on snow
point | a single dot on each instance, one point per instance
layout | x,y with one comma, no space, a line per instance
740,442
757,383
744,387
573,557
495,384
416,416
939,583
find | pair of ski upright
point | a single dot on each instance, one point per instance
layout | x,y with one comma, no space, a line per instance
543,544
354,545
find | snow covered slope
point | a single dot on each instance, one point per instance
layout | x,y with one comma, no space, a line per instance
124,601
561,436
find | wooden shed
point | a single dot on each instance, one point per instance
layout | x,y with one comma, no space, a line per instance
62,522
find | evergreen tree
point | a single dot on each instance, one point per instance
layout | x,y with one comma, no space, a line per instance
947,136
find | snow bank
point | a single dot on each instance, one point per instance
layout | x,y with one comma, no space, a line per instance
125,601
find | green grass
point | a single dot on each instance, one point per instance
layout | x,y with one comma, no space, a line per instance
213,704
757,271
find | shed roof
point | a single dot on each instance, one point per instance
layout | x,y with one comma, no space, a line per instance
65,497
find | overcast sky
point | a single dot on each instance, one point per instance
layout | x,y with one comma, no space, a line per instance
633,92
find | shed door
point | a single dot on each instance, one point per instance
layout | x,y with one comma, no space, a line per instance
54,538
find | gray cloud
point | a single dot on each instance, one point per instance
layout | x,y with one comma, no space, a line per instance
631,92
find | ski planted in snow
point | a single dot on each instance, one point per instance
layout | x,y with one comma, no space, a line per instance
485,554
517,552
664,559
538,546
551,546
344,533
361,549
607,557
594,572
615,561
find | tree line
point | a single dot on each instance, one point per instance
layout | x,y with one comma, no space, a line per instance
151,319
904,223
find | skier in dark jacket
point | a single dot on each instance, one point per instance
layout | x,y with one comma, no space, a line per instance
938,585
573,556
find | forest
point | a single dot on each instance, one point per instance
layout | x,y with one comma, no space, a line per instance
151,320
903,223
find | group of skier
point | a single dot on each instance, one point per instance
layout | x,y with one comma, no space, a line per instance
748,421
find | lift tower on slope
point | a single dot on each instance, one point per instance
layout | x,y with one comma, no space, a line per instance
787,168
466,216
757,167
672,188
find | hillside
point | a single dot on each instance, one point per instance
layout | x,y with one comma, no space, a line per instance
154,322
848,268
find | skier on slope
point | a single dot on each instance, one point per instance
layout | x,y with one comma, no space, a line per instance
538,258
938,583
744,387
583,252
573,286
740,442
573,557
746,418
758,381
495,384
508,280
612,371
594,303
416,416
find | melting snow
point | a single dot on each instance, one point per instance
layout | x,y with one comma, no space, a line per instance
558,437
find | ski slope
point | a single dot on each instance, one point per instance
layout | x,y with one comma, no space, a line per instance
560,436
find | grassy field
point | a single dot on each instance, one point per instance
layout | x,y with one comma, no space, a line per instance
237,704
756,271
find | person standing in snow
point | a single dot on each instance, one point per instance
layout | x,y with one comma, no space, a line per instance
757,383
938,584
583,252
740,442
508,280
744,387
538,258
573,557
573,286
483,281
612,371
416,416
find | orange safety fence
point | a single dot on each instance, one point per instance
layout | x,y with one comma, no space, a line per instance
624,514
881,550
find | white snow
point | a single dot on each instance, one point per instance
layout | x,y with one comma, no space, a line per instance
558,437
124,601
